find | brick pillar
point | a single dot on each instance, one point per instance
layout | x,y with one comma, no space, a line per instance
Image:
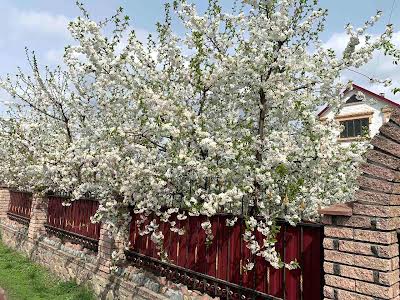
38,216
4,203
361,247
107,245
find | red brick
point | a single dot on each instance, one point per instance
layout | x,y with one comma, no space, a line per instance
327,220
340,232
379,171
391,130
340,282
388,251
388,223
356,273
389,278
375,210
340,257
375,263
379,185
347,295
395,116
387,145
355,247
328,292
376,290
380,237
328,244
38,216
382,158
374,197
328,267
354,221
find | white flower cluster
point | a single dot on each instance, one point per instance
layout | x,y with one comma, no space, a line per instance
219,119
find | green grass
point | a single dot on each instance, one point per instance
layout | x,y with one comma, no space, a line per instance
23,280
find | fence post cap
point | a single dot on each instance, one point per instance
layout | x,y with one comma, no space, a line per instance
341,209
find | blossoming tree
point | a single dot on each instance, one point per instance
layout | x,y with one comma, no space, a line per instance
220,118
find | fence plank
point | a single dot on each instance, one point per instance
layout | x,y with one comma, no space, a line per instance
173,250
192,244
275,284
183,241
211,250
201,265
293,236
247,257
234,254
133,232
222,242
312,257
260,268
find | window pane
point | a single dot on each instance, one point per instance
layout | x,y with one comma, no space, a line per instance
343,134
350,128
365,126
354,128
357,127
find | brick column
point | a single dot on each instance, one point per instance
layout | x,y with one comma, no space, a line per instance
38,216
361,247
4,203
107,245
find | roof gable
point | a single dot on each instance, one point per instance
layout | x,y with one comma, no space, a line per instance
368,92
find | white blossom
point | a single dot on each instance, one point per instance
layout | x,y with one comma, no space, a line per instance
218,119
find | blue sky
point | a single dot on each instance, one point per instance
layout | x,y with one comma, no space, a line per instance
41,26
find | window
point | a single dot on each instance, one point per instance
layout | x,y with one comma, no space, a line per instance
354,99
355,128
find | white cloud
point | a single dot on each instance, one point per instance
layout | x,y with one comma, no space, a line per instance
380,67
337,42
42,22
39,30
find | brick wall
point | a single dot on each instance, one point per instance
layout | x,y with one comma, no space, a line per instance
361,247
4,202
71,262
38,216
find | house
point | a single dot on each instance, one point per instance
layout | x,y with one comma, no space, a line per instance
363,113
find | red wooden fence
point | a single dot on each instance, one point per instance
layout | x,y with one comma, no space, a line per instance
224,258
20,204
74,218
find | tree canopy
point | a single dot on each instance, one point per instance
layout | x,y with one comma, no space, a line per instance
221,118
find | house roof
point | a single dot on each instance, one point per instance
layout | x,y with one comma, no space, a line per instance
368,92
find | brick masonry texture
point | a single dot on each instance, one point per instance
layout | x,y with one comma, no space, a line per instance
361,251
4,201
69,263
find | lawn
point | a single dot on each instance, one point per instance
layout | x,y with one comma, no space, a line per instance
21,279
